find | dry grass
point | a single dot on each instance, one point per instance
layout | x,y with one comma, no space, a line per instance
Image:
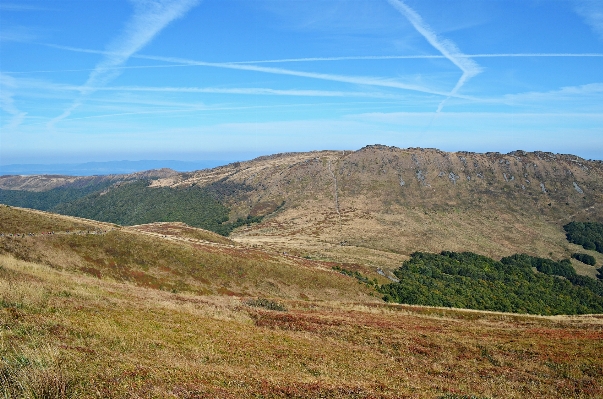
14,220
67,335
182,230
179,264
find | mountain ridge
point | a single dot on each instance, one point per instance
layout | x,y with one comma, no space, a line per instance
379,204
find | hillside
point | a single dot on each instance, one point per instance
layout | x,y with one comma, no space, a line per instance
166,257
90,309
374,206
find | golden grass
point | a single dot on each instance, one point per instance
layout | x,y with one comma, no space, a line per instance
385,240
182,231
14,220
179,264
70,335
129,313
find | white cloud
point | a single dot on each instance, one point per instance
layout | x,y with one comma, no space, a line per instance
7,103
592,12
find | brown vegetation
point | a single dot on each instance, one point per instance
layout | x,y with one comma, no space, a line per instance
68,335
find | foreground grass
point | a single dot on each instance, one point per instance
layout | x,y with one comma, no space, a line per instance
71,335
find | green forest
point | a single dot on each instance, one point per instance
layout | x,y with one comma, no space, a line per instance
468,280
587,234
130,203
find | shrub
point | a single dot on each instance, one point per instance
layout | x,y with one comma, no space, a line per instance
266,304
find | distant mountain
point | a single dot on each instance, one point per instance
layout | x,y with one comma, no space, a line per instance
104,168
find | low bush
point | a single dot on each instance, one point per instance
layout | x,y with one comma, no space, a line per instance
266,304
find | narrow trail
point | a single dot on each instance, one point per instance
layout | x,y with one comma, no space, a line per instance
336,196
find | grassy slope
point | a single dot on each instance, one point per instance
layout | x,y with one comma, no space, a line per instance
84,337
170,264
492,204
183,231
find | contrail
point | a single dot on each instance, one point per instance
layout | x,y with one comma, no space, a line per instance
420,56
216,90
251,91
360,80
344,58
92,69
446,47
149,18
210,109
534,55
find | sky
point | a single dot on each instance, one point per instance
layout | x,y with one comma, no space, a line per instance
190,80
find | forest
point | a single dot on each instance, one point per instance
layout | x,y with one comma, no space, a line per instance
131,203
468,280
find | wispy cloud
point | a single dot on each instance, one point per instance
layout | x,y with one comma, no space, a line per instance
585,97
592,12
150,17
444,46
7,103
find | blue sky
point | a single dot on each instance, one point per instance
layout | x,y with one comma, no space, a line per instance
101,80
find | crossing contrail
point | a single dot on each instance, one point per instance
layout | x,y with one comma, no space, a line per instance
149,18
444,46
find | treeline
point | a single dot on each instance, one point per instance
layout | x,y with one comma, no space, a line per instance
136,203
587,234
468,280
